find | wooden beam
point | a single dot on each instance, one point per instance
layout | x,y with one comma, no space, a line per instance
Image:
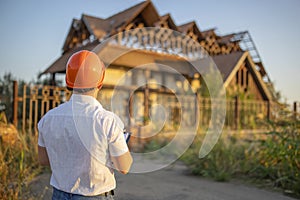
15,103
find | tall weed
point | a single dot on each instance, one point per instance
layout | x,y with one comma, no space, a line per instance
18,166
273,157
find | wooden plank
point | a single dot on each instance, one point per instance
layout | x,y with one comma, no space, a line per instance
35,116
15,103
24,108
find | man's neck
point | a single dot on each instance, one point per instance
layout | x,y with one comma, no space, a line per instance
92,93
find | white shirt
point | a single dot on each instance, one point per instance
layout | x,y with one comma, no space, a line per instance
80,136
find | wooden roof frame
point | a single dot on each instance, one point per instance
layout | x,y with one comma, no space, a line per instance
191,26
260,83
167,17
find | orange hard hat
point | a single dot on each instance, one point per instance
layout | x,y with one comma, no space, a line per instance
84,70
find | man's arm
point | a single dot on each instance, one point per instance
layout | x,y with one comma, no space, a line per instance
122,163
43,156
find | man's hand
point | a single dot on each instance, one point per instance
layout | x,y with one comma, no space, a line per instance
122,163
43,156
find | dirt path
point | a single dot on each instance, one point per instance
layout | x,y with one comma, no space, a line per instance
170,183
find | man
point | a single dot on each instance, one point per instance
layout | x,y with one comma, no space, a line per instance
80,140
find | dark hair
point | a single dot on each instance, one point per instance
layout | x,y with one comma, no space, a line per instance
80,90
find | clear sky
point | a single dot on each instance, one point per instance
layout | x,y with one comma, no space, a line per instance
33,31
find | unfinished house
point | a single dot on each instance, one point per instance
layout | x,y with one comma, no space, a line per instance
248,88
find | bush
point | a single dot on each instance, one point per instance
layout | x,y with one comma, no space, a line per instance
223,162
279,157
275,157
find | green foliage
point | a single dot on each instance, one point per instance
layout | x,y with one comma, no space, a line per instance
275,158
279,156
6,93
154,145
220,164
46,80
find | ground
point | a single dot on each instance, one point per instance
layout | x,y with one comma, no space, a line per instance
171,183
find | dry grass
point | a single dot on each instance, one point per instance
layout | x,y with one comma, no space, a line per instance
18,165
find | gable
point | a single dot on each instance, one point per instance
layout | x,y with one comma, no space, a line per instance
96,26
122,18
242,77
150,15
166,21
192,30
78,33
244,85
226,63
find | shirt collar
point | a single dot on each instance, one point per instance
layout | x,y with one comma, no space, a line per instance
86,99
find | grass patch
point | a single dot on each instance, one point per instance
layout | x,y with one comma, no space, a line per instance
274,159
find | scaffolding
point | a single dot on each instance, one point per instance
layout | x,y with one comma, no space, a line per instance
247,44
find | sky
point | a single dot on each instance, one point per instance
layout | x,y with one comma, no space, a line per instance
33,31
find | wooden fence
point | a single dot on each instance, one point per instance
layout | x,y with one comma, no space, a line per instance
32,102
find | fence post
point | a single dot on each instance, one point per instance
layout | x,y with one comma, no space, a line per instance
15,103
237,113
146,104
130,108
146,97
295,110
197,109
269,110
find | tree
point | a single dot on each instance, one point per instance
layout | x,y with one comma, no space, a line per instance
6,93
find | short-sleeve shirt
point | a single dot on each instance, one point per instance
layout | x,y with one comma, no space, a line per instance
80,136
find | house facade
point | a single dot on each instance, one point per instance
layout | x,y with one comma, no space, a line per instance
136,55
